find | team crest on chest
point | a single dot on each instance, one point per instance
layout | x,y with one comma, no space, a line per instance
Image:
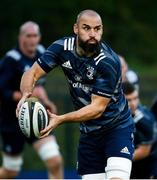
90,72
78,78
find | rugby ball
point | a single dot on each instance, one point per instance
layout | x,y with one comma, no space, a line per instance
32,117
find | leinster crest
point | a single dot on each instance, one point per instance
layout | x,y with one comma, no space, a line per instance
90,72
78,78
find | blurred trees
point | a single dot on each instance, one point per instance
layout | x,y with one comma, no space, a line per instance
129,26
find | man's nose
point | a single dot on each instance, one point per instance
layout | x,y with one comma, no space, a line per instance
92,33
133,105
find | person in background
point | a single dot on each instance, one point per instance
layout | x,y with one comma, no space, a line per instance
154,107
128,74
13,65
145,155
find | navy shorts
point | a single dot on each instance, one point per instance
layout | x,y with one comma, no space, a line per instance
95,148
153,169
13,142
145,168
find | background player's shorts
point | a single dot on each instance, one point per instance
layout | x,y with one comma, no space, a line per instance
144,168
153,169
95,148
13,142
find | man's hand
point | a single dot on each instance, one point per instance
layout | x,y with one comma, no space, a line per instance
51,107
22,100
54,121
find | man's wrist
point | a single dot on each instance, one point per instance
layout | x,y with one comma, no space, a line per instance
62,119
26,94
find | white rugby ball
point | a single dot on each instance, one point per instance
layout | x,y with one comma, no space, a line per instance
32,117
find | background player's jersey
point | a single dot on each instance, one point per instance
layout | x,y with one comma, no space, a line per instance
145,124
12,67
100,75
154,107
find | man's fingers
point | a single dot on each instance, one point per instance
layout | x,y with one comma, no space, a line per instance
48,112
18,108
29,94
17,112
44,135
48,128
21,102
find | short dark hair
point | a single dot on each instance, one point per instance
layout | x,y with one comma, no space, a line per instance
128,88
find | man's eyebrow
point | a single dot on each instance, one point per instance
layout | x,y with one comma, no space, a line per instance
86,25
98,26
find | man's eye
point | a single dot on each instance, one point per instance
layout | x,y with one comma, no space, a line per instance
97,29
86,28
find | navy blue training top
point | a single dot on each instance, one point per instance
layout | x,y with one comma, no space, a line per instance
100,75
144,125
12,67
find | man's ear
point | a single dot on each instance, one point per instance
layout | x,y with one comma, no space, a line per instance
75,28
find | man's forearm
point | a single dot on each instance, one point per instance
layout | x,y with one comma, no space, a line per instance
84,114
27,83
141,152
29,79
91,111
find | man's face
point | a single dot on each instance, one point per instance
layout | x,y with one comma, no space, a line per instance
89,31
133,101
30,38
124,68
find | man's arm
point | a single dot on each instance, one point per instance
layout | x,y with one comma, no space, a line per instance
89,112
28,81
30,77
142,152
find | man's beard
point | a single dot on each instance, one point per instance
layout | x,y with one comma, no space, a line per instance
89,47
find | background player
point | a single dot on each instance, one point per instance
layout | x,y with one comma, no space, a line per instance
145,155
13,65
154,107
94,75
128,74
